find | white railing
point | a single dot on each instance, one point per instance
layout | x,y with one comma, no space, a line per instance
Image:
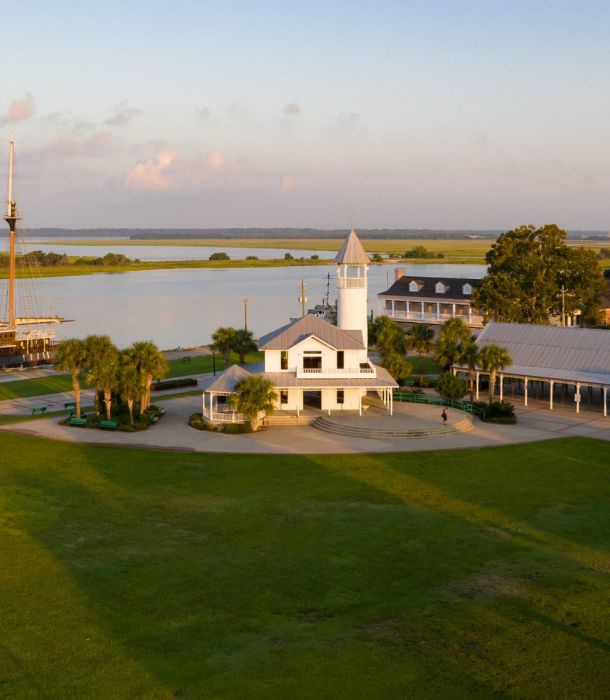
34,335
427,316
335,372
224,416
351,282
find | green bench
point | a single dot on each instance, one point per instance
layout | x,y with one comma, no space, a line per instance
108,424
78,421
39,411
161,410
152,419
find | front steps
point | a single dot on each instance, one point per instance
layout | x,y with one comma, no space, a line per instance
290,419
328,425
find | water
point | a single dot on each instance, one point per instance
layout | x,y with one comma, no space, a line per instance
154,253
183,307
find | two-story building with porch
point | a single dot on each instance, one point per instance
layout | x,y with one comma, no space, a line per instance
430,300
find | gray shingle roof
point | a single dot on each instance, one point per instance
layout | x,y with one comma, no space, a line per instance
229,379
553,352
289,335
352,252
427,287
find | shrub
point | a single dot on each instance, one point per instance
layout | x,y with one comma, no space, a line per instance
451,387
174,383
498,412
219,256
196,421
252,257
288,256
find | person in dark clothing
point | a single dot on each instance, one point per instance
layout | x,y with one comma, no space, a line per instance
444,416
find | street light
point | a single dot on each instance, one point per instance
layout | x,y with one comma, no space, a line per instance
213,363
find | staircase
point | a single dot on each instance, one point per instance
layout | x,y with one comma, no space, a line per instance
329,425
290,419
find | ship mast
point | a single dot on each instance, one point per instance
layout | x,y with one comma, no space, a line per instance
11,219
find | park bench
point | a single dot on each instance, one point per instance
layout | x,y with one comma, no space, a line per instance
108,424
153,419
70,406
161,410
39,411
77,421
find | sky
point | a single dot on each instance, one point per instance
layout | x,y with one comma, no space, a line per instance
431,114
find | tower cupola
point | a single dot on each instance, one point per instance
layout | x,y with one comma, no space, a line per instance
352,288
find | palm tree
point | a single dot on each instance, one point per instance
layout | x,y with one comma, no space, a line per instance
98,349
130,381
492,358
151,364
453,334
253,396
105,375
70,356
222,342
389,336
243,343
469,355
419,338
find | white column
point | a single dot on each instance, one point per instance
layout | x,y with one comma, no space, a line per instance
469,313
605,390
453,309
408,308
551,386
501,387
577,397
476,384
203,404
359,405
393,308
438,310
525,381
391,402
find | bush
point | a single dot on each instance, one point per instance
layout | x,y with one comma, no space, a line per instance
498,412
174,383
288,256
315,257
451,387
219,256
197,421
252,257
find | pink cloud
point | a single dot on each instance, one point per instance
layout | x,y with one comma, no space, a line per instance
289,183
168,172
123,114
291,109
215,160
19,110
152,175
66,146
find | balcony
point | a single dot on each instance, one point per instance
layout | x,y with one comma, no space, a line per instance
335,372
351,282
472,320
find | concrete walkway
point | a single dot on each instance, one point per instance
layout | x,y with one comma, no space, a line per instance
173,432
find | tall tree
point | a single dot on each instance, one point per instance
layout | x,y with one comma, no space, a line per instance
105,375
130,381
419,338
469,355
243,343
389,336
70,357
253,396
222,342
151,365
100,352
397,366
493,358
531,271
452,336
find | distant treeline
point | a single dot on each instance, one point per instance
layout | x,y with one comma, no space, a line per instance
51,259
151,234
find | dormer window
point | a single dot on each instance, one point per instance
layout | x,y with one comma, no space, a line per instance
440,288
467,289
413,286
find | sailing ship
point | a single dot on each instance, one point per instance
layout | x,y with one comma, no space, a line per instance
26,338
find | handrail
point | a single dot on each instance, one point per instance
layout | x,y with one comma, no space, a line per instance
413,397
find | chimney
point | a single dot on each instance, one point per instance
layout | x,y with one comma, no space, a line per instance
399,272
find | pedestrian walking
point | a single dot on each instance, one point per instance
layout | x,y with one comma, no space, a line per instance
444,416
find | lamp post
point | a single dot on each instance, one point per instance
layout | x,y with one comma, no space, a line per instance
214,363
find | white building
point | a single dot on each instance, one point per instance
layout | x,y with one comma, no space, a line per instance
315,364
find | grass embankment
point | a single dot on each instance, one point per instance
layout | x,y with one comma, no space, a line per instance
198,364
462,574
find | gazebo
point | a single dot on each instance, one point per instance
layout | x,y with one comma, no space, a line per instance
215,407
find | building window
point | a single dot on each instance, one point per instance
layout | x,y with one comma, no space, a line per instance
284,360
312,359
340,359
467,289
413,286
440,288
388,304
340,396
284,396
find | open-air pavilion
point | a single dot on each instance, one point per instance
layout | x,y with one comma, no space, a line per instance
216,406
564,360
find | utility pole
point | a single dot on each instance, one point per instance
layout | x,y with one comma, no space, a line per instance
563,291
246,314
302,298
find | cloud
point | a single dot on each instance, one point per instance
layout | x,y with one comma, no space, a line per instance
349,119
19,110
67,146
123,114
291,109
153,174
203,114
289,183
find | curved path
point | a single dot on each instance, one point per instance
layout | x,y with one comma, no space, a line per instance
173,433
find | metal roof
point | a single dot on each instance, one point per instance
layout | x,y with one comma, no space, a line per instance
289,335
352,252
228,380
427,287
288,380
552,352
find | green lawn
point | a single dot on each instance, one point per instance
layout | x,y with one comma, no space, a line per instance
459,574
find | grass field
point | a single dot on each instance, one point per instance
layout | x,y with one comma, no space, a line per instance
460,574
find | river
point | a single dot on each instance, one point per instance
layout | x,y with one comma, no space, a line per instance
181,308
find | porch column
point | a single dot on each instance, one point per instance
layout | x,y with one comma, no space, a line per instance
393,308
551,387
438,310
203,403
469,313
453,309
359,405
577,397
525,381
605,391
408,308
391,402
501,387
476,384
